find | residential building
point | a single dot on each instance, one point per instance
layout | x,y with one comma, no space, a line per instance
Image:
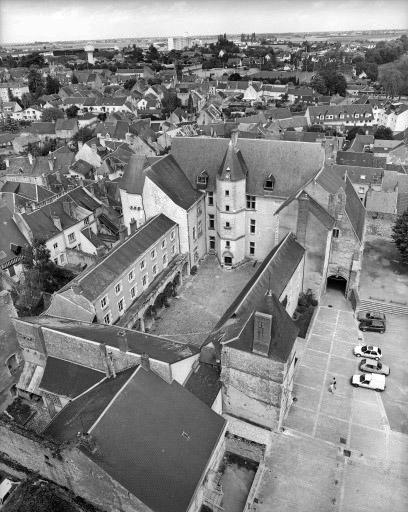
12,243
29,114
66,128
395,117
16,88
341,117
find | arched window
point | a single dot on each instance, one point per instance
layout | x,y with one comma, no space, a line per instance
269,183
202,179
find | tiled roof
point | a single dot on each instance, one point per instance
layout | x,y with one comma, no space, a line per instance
155,438
94,280
42,128
66,124
68,379
291,163
204,383
360,159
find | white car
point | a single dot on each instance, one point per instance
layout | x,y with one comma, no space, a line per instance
368,351
369,380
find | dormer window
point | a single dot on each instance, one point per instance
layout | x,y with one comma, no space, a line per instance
202,179
227,173
269,183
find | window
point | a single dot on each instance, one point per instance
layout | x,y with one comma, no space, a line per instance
252,226
62,258
227,225
144,280
133,292
227,193
329,117
212,243
104,302
86,221
341,116
142,264
173,249
118,288
55,246
211,221
131,275
120,306
172,235
336,233
107,318
202,179
164,259
361,190
250,202
210,197
71,237
227,244
55,261
199,210
153,254
154,270
269,183
163,244
356,116
195,256
199,228
194,233
251,248
227,208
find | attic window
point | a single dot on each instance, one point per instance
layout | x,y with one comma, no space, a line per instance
202,179
269,183
185,435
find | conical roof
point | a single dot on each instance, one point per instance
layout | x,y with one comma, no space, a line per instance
233,167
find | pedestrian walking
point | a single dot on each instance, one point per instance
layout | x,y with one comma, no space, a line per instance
331,387
334,383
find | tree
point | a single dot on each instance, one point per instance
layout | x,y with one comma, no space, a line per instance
72,111
152,53
26,100
52,85
170,102
32,59
130,83
35,83
74,79
190,104
400,235
390,78
52,114
318,83
234,77
316,128
383,133
82,135
371,70
356,130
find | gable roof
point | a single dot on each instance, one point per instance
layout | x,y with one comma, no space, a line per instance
159,448
10,234
291,163
355,210
360,159
68,379
133,175
168,176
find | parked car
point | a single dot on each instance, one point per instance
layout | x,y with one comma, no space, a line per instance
372,325
371,315
367,351
372,366
369,380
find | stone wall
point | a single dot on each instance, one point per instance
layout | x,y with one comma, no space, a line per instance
379,226
245,448
68,467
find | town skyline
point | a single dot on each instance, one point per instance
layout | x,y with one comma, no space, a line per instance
24,22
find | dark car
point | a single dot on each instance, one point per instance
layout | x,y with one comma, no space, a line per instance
371,315
372,325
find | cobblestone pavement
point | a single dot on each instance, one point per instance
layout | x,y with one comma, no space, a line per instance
201,302
338,452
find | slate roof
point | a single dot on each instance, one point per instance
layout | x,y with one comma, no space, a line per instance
204,383
359,142
360,159
355,210
273,274
233,166
66,124
291,163
134,175
68,379
94,280
10,234
42,128
157,348
360,175
169,177
30,191
159,448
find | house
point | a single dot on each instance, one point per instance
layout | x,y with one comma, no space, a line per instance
60,222
154,186
340,117
210,114
303,95
29,114
124,286
273,92
365,159
66,128
16,88
395,117
16,194
42,129
8,108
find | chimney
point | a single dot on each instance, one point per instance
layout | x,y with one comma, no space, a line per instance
122,233
7,162
30,158
133,226
57,222
67,207
51,163
145,361
87,441
122,341
80,144
262,333
234,138
93,146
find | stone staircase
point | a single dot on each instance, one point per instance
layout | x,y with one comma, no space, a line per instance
392,308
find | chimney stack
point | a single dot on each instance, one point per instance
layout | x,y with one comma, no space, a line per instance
262,333
122,341
30,158
7,162
145,361
122,233
57,222
51,163
234,138
133,226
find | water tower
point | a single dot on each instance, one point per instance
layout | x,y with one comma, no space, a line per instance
89,50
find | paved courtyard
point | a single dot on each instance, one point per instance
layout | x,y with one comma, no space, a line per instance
341,451
201,302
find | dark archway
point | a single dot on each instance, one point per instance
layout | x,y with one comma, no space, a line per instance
337,283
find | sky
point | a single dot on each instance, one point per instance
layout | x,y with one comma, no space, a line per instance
56,20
